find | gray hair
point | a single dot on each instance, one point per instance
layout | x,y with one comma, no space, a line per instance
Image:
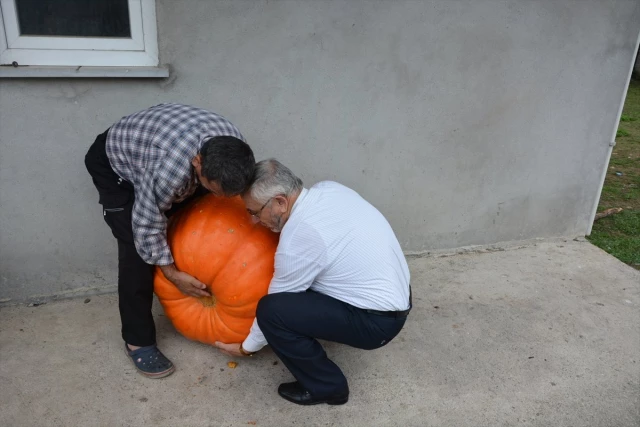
272,178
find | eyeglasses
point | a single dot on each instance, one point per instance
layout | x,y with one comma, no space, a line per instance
257,214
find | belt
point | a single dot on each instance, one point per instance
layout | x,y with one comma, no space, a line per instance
396,314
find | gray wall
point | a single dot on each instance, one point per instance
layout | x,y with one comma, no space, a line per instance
465,122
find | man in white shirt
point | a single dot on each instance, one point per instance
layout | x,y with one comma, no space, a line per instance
340,275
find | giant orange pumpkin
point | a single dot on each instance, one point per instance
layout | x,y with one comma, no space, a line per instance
215,241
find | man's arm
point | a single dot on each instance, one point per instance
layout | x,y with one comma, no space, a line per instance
153,198
292,274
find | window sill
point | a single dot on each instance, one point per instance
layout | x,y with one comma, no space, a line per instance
33,71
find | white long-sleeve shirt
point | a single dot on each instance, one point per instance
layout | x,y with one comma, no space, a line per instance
338,244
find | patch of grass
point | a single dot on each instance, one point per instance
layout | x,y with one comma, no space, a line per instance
619,234
621,191
622,162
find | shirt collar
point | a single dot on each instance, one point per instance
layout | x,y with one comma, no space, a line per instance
299,201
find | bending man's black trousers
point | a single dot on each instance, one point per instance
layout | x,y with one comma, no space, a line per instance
135,277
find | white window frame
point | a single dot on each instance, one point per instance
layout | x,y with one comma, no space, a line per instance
139,50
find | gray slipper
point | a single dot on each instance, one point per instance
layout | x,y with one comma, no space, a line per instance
150,361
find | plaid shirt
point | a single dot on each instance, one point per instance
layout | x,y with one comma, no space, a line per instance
153,149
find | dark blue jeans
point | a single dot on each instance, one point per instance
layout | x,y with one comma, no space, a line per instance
292,323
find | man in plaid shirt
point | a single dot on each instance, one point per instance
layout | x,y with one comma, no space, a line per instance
145,167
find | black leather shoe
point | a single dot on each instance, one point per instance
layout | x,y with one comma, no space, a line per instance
294,392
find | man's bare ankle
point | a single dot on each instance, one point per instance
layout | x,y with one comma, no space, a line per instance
132,347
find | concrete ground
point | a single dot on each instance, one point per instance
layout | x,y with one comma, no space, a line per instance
542,335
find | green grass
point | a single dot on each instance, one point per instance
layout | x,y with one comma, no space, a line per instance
619,234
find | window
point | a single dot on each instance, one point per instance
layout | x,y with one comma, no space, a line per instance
100,33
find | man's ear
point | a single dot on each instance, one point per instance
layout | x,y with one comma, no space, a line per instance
282,201
196,162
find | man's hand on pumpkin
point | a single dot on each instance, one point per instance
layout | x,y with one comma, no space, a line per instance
232,349
187,284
